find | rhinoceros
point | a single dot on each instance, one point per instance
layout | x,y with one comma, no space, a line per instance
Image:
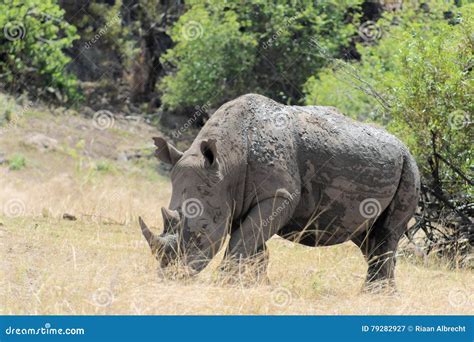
308,174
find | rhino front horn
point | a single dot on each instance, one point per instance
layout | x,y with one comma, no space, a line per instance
154,241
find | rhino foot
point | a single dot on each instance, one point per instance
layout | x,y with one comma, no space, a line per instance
385,287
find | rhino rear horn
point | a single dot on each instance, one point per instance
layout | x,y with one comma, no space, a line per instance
170,219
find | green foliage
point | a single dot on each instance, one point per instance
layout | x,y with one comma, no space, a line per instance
17,162
102,24
104,166
421,74
32,42
433,88
336,86
212,55
225,49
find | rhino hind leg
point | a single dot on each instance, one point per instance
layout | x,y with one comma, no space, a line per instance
379,243
379,246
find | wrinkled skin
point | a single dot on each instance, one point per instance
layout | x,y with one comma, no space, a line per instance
308,174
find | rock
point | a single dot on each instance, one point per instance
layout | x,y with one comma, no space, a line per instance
88,111
122,157
41,142
69,217
127,155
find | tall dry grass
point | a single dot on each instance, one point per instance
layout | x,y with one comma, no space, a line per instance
52,266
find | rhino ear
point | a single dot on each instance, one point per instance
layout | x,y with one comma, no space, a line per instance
209,151
166,152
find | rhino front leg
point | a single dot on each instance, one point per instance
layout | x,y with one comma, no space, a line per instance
247,253
245,271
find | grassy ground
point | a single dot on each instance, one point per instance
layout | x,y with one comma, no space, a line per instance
100,264
84,267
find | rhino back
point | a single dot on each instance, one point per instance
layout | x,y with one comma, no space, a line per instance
342,163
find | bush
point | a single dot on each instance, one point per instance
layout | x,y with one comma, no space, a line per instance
421,75
17,162
422,71
32,41
212,57
225,49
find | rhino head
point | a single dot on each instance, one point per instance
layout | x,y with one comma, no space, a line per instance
195,224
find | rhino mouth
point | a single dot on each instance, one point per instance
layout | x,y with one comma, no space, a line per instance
193,249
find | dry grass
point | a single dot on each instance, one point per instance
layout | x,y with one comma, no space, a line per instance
100,264
57,267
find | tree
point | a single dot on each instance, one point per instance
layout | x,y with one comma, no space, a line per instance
33,38
226,49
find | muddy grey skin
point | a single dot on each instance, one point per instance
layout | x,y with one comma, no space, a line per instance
308,174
